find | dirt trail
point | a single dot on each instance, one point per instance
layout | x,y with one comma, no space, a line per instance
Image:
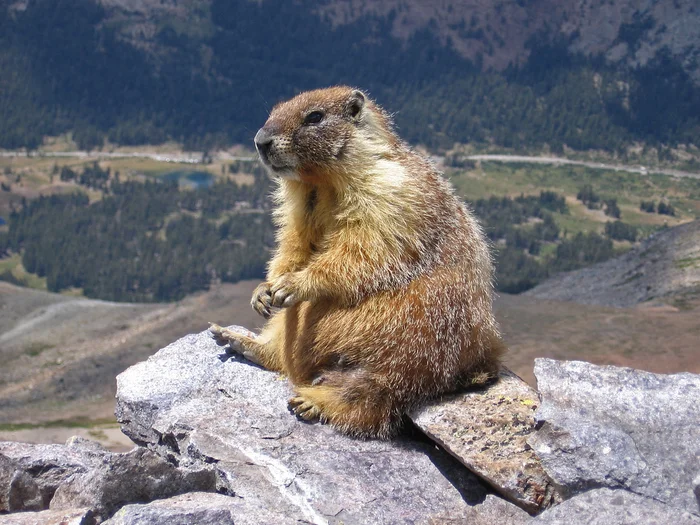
177,157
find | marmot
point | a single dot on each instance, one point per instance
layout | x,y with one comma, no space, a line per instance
382,274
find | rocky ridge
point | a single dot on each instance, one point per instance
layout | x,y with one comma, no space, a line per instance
216,444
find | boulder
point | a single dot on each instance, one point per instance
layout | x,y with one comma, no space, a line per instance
614,507
487,430
48,466
193,403
18,490
202,508
82,474
604,426
50,517
137,476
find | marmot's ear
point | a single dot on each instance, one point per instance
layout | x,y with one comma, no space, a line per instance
355,103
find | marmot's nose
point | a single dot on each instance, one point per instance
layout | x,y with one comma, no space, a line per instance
263,141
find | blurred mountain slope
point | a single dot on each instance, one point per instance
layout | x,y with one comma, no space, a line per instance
664,268
525,73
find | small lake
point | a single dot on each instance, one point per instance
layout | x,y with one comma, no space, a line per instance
193,179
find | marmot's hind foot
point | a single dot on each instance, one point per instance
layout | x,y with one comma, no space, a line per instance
305,409
353,409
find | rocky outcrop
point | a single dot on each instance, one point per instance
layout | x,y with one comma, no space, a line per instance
218,445
664,267
196,404
619,428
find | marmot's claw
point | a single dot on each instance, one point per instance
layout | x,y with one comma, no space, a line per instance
279,297
262,310
262,300
304,409
283,292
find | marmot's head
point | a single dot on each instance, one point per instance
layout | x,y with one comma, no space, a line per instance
319,132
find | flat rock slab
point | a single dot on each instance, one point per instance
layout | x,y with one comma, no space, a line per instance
194,403
200,508
614,507
487,430
605,426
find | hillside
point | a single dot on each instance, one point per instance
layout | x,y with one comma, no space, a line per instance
517,74
61,354
664,268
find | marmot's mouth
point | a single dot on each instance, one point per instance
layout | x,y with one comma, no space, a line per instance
271,165
283,171
279,168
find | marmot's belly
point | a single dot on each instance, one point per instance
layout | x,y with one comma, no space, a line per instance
417,334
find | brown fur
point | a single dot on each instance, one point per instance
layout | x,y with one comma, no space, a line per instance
384,275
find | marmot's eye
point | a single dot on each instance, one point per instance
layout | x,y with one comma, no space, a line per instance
313,118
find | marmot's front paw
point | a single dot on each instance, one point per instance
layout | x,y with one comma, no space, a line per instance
262,300
285,291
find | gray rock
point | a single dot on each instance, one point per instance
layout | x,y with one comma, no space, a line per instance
50,517
487,430
82,474
137,476
605,426
614,507
496,511
51,465
202,508
192,402
18,491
